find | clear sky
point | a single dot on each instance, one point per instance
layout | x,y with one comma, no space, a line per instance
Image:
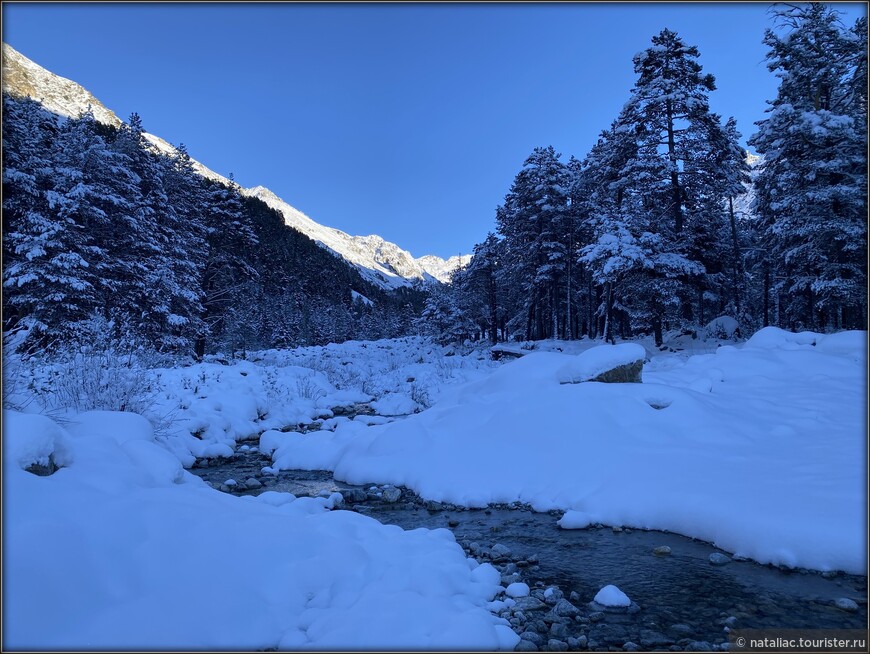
409,121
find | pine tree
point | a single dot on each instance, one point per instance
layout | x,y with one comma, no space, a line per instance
231,241
811,193
478,287
46,277
533,222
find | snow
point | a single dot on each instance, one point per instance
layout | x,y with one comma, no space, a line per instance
575,520
110,553
395,404
610,595
383,263
756,448
723,327
597,360
517,589
34,439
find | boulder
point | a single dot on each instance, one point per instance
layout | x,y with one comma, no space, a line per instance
613,364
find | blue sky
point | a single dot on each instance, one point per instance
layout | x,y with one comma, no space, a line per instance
409,121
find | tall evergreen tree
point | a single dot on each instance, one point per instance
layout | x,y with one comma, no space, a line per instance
533,222
811,193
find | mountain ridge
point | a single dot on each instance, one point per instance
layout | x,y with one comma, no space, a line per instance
381,262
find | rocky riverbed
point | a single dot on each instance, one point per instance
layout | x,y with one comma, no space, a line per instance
685,594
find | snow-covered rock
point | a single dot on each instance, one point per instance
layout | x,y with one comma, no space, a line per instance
723,327
517,589
606,363
610,595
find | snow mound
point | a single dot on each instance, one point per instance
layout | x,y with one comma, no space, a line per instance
150,561
597,360
610,595
757,449
776,338
30,439
723,327
395,404
575,520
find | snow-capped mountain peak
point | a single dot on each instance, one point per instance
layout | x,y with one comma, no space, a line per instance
381,262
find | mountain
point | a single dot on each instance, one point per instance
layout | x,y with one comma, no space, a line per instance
383,263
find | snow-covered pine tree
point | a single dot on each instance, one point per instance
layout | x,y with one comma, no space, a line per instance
733,170
97,192
602,195
478,287
443,319
811,192
187,249
533,222
659,211
231,241
47,279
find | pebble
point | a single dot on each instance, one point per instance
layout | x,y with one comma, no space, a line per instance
565,609
582,641
681,629
630,647
574,596
500,552
552,595
526,646
699,646
529,604
717,558
532,637
558,630
555,645
252,483
662,550
354,495
650,639
392,495
596,616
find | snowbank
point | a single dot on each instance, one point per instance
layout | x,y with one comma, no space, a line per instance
121,550
758,449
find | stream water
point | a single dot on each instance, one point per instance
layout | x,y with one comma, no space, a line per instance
685,601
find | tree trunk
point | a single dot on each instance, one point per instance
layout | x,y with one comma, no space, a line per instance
657,330
493,308
735,252
676,192
766,312
608,315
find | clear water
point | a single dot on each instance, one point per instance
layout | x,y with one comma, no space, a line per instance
680,589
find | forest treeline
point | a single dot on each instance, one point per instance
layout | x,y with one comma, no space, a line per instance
663,225
646,233
106,238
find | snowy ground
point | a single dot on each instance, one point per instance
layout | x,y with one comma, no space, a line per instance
757,448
